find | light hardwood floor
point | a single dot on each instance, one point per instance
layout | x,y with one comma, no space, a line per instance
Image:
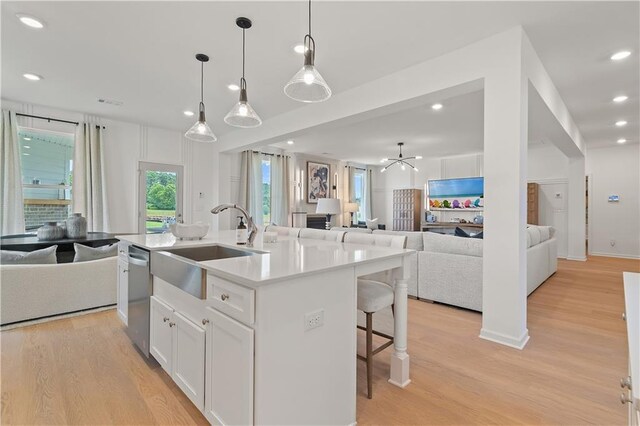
84,370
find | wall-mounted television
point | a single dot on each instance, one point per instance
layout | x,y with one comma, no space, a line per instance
461,193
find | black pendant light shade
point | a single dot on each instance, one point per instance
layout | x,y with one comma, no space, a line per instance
307,85
201,131
242,115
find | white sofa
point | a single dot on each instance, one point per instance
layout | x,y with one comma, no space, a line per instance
450,267
35,291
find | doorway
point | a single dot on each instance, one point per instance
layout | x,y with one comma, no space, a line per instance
160,190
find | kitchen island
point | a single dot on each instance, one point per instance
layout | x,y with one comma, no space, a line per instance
270,338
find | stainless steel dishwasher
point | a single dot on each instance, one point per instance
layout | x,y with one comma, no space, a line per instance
140,291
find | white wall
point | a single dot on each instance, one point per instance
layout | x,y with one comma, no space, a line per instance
125,145
614,171
549,168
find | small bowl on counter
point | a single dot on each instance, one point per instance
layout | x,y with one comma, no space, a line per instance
196,231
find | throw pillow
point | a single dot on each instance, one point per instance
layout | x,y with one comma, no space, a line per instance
479,235
372,224
37,257
85,253
461,233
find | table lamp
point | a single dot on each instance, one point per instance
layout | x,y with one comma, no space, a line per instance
328,206
351,208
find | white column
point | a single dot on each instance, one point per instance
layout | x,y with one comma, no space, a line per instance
576,210
399,375
504,318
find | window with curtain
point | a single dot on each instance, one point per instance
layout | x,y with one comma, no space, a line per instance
266,189
47,164
359,188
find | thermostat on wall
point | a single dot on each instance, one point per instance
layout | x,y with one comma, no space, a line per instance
614,198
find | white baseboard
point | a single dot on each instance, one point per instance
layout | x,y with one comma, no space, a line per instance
618,255
579,259
503,339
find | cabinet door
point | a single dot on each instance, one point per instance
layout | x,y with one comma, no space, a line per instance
229,371
123,290
161,338
188,359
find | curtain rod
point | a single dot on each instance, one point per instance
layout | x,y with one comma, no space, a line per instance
269,153
357,168
49,119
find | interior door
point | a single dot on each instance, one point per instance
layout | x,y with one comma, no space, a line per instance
188,359
160,193
161,339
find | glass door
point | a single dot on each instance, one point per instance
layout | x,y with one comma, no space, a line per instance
160,197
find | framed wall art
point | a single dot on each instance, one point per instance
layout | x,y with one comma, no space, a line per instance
317,181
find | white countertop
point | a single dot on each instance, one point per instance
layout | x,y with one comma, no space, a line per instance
632,312
288,257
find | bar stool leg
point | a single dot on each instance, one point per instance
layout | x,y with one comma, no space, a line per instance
369,354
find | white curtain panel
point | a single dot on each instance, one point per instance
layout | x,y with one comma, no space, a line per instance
368,194
251,185
89,189
11,176
280,189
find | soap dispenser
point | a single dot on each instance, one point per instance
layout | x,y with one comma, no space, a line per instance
241,232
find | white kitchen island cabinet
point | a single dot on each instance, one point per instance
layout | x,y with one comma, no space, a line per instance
229,371
179,347
279,326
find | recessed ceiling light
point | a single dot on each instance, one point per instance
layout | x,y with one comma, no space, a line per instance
620,55
233,87
30,21
620,98
299,48
622,140
436,106
26,146
25,153
188,113
621,123
27,139
32,77
418,157
290,142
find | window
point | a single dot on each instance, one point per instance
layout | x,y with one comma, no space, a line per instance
160,203
266,189
358,193
47,165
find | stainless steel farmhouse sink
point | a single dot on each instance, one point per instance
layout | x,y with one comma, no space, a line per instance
178,266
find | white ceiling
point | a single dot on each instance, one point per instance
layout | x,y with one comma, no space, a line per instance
454,130
141,53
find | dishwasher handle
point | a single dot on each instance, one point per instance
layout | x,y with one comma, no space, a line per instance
138,262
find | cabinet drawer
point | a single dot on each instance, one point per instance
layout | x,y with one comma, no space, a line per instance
123,251
232,299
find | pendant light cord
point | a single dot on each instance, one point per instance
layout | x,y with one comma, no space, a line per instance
201,82
243,31
309,17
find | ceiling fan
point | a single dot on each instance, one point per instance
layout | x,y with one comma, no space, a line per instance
402,161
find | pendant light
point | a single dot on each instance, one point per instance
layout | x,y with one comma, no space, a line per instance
307,85
242,115
201,131
402,161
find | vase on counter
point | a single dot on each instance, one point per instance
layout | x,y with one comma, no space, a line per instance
50,231
76,226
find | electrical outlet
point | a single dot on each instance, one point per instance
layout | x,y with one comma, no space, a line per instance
314,319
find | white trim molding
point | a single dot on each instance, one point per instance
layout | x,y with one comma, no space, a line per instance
503,339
